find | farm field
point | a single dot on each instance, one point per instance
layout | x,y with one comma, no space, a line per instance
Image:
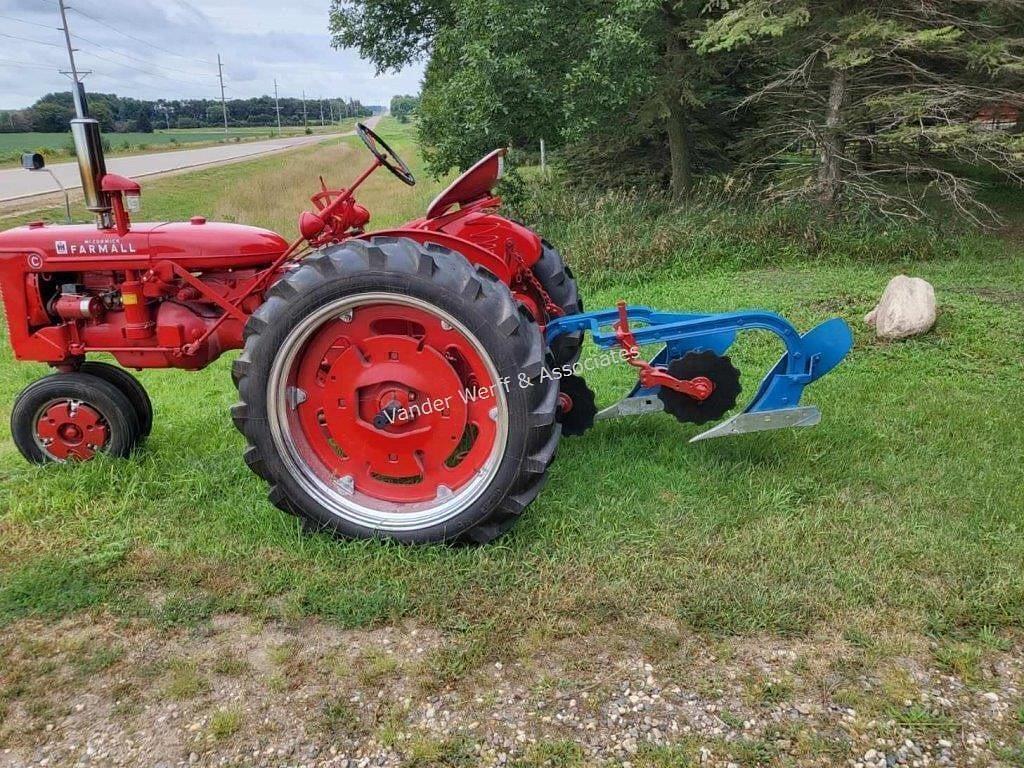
788,598
60,144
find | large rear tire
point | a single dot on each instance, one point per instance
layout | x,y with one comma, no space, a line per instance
557,278
338,366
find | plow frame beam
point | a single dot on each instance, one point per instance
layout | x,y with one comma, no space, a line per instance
808,357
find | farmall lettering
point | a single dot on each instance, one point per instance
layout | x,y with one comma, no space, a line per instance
96,247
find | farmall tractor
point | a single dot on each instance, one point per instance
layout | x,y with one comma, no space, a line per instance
410,383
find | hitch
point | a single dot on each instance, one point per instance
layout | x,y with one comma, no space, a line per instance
699,387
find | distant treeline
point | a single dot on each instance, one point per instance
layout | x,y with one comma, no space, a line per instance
123,114
404,107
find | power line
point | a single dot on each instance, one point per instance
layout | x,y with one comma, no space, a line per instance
29,23
148,70
152,73
30,40
139,39
136,58
26,64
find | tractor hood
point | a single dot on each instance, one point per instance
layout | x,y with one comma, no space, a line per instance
209,245
195,244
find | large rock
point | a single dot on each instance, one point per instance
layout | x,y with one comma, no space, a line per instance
907,308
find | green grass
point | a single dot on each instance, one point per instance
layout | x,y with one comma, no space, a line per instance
184,680
430,752
921,720
904,504
339,717
552,754
226,722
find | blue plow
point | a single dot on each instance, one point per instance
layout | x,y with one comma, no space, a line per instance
692,338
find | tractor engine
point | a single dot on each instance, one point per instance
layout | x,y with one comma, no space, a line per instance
154,298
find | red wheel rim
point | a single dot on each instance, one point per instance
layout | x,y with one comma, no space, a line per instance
70,430
392,406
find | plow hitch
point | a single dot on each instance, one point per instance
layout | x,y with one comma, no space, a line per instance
691,377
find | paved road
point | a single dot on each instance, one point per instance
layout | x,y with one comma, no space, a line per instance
17,183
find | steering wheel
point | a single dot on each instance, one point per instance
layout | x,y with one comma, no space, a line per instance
385,154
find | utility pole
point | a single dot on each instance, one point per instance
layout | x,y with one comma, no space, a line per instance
77,90
277,106
223,103
303,109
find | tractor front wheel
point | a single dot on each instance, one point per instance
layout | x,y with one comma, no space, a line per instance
391,389
131,388
73,417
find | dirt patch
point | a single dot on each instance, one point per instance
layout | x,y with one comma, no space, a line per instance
236,692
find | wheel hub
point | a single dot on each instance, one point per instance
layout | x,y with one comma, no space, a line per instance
427,431
71,430
576,406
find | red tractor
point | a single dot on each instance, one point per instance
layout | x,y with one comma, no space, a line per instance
396,383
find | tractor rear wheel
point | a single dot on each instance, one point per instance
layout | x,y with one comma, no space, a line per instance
557,278
391,389
73,417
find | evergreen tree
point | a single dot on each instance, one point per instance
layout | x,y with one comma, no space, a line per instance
872,103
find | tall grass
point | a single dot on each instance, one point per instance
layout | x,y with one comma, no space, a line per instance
617,233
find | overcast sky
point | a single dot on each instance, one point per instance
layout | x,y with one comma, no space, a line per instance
258,40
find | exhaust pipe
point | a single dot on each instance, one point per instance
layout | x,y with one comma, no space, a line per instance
93,167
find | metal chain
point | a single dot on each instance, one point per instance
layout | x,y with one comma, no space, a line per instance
525,273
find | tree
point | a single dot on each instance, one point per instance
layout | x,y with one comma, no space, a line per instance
403,107
54,111
641,63
50,117
143,123
485,87
102,113
390,33
577,71
864,95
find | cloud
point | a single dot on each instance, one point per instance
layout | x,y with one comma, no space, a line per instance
168,49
